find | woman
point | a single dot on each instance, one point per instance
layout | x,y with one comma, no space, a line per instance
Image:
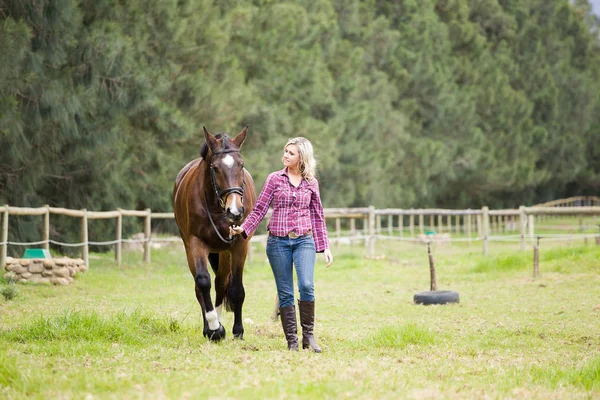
296,232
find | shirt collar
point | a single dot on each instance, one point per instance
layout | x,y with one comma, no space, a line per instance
284,172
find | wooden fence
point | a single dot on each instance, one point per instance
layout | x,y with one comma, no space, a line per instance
481,222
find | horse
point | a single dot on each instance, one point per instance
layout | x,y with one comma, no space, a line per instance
211,193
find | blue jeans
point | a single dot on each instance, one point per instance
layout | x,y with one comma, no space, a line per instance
282,252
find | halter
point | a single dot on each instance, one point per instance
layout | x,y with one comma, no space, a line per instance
225,192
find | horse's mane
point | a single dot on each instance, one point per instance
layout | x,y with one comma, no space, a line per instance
226,144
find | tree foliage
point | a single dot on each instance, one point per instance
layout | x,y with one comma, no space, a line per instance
446,103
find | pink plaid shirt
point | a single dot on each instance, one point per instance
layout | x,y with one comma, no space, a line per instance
295,209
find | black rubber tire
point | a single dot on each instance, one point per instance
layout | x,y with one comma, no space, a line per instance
436,297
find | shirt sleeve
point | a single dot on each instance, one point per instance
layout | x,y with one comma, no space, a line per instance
317,219
260,208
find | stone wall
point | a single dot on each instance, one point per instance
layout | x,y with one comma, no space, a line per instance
58,271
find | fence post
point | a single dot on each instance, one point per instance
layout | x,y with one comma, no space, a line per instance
390,224
352,229
421,223
85,250
485,227
372,231
522,225
4,237
401,225
531,228
46,230
147,229
119,244
536,260
366,222
433,282
468,223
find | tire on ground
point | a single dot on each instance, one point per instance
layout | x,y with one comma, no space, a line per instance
436,297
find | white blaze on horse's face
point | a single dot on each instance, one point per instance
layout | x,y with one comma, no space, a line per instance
233,208
228,161
234,201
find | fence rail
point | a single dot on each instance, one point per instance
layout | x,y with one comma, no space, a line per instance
480,222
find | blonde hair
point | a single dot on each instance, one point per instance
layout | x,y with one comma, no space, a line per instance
307,164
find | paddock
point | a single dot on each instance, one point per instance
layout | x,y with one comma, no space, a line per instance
135,330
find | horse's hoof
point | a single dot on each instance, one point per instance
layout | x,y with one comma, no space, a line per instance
239,336
216,335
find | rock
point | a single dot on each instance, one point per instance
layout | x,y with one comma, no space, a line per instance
25,262
26,275
11,267
48,264
60,261
36,268
48,272
19,269
35,278
61,272
59,281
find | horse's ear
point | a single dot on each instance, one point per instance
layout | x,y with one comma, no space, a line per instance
239,139
211,141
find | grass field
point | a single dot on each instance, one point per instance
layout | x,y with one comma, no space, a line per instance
135,331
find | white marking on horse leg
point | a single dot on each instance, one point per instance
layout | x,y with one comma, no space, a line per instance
213,320
219,309
228,161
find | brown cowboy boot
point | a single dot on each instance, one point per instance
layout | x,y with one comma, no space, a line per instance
288,322
307,320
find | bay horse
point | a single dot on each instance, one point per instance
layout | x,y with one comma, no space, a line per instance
212,193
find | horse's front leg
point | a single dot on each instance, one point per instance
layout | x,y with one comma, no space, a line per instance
198,261
236,293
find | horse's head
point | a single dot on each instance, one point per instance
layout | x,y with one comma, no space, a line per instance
226,168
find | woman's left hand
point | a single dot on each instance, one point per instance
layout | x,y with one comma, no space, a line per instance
328,257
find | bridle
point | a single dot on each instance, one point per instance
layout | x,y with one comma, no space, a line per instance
225,192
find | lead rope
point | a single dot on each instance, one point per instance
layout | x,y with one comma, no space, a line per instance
228,241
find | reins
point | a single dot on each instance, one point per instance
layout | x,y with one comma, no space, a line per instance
228,240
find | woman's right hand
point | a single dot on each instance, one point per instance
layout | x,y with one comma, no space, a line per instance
235,230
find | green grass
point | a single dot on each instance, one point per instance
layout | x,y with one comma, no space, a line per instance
399,337
135,331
